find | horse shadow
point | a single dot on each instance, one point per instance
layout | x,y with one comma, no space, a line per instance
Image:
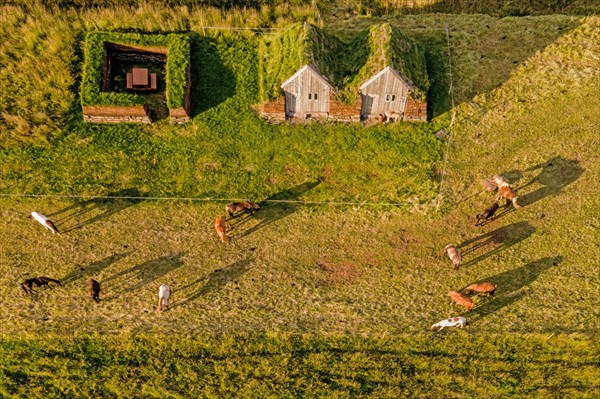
96,209
93,268
499,240
555,175
269,213
142,274
510,283
216,280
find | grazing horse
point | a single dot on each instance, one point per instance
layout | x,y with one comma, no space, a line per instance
28,284
505,191
221,228
461,300
94,289
454,255
163,297
244,206
451,322
480,288
45,221
487,214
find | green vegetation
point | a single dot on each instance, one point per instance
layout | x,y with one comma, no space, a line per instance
274,366
178,59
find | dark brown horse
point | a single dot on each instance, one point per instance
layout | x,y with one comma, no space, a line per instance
28,284
94,289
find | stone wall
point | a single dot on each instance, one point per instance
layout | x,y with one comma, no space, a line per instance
341,112
415,110
178,115
111,114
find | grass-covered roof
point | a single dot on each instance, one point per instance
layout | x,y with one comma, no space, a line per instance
284,52
346,64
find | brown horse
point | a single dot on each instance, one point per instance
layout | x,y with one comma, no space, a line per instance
461,300
480,288
244,206
505,191
221,228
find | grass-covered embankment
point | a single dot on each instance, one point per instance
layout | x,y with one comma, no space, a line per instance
265,366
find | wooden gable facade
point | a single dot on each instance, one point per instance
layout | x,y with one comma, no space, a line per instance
306,94
387,93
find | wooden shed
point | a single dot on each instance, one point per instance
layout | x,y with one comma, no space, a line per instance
384,93
306,94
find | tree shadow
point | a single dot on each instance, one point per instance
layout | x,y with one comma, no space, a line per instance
96,209
215,280
93,268
510,283
555,174
212,81
140,275
269,213
496,240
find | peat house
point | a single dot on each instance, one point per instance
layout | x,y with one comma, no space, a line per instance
135,78
387,80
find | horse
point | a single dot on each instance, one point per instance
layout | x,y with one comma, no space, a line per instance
221,228
244,206
163,297
94,289
505,191
454,255
451,322
461,300
45,221
28,284
480,288
487,214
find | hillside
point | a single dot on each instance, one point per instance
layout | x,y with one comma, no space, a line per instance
306,299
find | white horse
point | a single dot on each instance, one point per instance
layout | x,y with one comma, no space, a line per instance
451,322
163,297
45,221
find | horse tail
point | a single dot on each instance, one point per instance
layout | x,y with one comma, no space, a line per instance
514,202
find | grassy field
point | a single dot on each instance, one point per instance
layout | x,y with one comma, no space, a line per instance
275,366
305,299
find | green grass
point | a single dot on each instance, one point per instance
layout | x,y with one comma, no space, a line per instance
275,366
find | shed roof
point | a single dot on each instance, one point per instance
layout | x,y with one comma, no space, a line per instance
302,70
383,71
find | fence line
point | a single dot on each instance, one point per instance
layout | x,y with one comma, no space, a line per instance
451,92
363,203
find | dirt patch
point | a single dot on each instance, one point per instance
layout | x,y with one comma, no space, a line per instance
338,273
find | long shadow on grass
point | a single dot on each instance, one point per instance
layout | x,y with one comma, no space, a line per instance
215,281
93,269
95,209
510,283
274,208
212,81
555,174
140,275
495,241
